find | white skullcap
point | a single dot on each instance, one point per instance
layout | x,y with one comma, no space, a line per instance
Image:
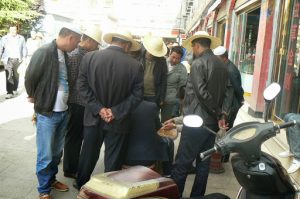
73,28
220,50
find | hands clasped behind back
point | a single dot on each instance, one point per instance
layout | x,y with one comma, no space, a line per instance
106,114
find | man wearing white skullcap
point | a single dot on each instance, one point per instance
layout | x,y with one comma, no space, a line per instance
235,80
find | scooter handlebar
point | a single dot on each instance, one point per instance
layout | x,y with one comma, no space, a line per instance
287,124
208,152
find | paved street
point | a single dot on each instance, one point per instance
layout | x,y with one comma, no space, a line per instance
18,154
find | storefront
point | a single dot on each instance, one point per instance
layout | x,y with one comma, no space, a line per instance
221,21
250,47
287,68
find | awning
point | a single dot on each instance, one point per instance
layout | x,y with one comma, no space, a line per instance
214,6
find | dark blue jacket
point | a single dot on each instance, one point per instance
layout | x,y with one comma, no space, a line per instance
112,79
143,142
235,80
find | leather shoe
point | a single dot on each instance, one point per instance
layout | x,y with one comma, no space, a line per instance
44,196
59,186
70,175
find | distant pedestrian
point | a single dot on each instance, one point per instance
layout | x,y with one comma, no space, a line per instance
32,44
90,41
46,82
155,69
111,84
13,52
206,95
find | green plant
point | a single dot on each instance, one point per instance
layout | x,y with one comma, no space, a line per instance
22,13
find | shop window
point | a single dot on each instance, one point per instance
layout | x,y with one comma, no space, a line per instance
249,46
209,30
221,30
288,72
244,45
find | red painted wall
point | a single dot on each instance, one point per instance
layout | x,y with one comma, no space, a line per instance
262,58
228,24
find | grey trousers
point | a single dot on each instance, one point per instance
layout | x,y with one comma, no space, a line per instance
293,134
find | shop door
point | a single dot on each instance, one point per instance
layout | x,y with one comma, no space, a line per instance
245,46
239,39
221,30
288,72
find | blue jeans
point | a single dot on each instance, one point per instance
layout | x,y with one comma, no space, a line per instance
293,134
50,138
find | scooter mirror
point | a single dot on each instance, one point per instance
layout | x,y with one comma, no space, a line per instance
271,91
192,121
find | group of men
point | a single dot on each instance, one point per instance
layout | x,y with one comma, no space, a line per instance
83,98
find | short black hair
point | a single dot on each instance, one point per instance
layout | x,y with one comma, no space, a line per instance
177,49
66,32
204,42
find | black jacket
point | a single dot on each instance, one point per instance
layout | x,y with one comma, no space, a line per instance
41,78
160,73
112,79
235,80
143,141
208,90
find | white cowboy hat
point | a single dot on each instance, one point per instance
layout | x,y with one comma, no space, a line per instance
74,28
125,35
155,45
220,50
201,34
94,32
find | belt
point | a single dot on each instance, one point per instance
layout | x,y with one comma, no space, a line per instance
13,58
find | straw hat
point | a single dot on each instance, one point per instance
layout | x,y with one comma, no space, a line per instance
155,46
220,50
94,32
172,134
74,28
201,34
125,35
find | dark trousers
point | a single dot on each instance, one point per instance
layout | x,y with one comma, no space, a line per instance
168,165
12,71
93,138
231,119
73,139
192,142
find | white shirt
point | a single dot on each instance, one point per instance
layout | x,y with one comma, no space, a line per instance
63,87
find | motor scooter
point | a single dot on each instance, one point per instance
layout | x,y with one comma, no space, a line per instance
260,175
